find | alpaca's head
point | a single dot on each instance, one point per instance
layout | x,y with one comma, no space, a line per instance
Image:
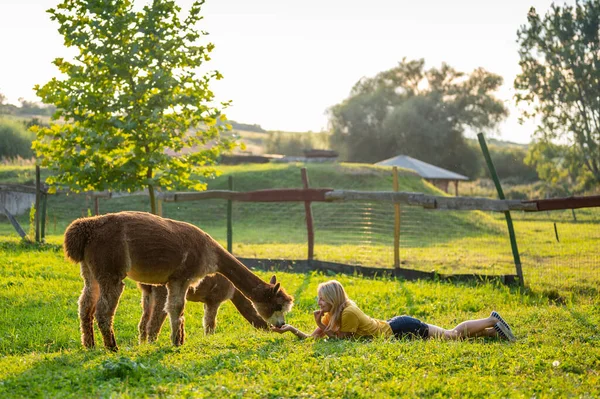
274,303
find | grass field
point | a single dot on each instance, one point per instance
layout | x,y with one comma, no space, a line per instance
557,353
556,318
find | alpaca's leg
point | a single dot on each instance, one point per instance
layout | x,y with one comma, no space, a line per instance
245,307
146,311
210,317
87,307
110,292
175,304
159,313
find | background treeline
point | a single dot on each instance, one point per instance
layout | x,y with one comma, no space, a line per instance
246,127
26,108
509,159
423,139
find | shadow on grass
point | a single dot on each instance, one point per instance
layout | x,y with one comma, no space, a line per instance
555,296
98,373
89,373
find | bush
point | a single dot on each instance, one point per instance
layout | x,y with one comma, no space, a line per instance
510,165
15,140
294,144
518,193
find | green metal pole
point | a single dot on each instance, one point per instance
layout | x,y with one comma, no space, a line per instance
511,230
230,219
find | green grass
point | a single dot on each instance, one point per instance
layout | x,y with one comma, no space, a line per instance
557,353
555,318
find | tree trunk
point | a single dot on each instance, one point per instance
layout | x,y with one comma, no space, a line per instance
149,174
152,200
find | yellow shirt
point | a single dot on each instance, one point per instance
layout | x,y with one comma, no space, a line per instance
355,321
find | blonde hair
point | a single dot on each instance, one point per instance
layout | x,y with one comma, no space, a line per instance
334,294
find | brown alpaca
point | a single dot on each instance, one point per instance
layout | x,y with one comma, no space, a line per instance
155,251
212,291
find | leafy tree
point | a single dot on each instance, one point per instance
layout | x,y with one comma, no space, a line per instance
130,98
559,167
511,166
417,112
560,79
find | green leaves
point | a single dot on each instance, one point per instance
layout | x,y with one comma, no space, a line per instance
560,78
129,97
413,111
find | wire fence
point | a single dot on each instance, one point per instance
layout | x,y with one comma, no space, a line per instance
556,248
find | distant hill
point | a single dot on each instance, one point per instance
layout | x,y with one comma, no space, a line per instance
247,127
499,143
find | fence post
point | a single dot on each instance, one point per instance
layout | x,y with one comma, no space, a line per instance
396,223
511,230
230,219
309,219
96,206
37,203
43,216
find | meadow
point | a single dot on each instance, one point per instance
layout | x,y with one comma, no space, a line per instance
555,318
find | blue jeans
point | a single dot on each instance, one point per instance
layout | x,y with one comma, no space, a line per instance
403,326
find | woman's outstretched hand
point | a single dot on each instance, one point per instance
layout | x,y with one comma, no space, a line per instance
283,328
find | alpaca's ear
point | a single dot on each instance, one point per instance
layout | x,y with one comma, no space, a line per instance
273,280
276,288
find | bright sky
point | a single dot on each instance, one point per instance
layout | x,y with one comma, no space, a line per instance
285,62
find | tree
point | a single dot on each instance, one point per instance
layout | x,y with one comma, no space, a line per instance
417,112
130,97
510,164
559,81
559,168
2,103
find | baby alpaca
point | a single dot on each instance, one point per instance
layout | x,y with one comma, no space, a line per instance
212,291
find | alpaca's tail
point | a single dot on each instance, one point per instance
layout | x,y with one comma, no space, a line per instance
77,236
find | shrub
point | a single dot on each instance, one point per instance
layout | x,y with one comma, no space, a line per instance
294,144
15,140
510,165
518,193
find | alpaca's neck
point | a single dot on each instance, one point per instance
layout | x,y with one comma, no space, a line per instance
243,279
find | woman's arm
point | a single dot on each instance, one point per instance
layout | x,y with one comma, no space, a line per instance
328,333
344,335
287,327
318,333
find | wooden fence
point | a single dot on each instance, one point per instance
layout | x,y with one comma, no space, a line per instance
308,195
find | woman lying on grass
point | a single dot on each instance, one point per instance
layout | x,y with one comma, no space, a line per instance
339,317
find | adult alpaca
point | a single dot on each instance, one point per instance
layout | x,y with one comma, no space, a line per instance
213,290
155,251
